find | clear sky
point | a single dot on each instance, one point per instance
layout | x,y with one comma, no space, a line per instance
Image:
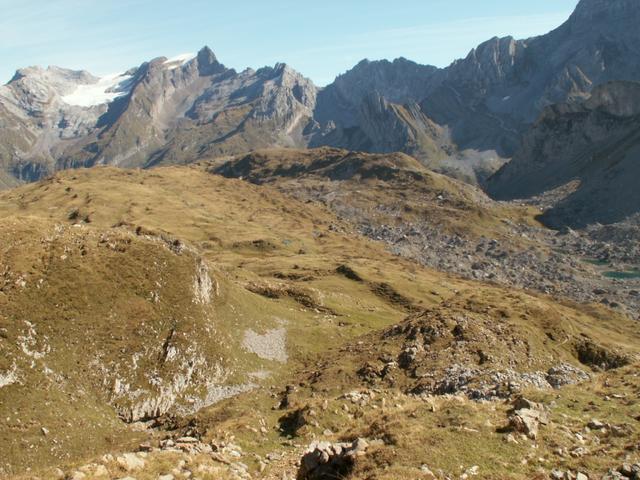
320,39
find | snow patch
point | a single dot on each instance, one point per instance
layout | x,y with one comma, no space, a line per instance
179,60
106,90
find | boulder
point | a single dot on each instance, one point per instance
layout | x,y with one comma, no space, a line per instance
324,460
130,462
527,416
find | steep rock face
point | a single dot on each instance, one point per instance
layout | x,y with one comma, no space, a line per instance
385,127
392,128
400,81
504,84
375,108
590,150
203,108
486,101
37,117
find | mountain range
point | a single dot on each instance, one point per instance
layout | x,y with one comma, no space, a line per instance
465,120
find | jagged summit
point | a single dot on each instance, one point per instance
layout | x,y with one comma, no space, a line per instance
208,63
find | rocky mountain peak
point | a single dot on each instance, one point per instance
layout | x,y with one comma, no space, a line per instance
208,63
36,90
590,14
399,81
53,74
490,62
281,69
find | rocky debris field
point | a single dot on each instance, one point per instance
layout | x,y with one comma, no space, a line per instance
453,227
573,264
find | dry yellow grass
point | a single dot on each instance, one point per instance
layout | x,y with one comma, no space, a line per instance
94,303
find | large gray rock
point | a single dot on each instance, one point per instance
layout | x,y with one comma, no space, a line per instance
527,417
324,460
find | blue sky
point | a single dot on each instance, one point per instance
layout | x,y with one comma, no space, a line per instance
320,39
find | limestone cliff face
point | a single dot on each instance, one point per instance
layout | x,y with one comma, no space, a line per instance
491,97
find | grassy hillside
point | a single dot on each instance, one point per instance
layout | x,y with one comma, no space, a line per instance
147,295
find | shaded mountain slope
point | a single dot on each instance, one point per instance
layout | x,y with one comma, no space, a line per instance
587,151
490,97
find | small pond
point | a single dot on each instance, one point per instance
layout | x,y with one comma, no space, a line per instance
596,261
628,275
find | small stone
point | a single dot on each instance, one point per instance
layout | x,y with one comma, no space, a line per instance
427,471
359,447
626,469
511,439
596,425
578,452
326,460
473,471
100,471
130,462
